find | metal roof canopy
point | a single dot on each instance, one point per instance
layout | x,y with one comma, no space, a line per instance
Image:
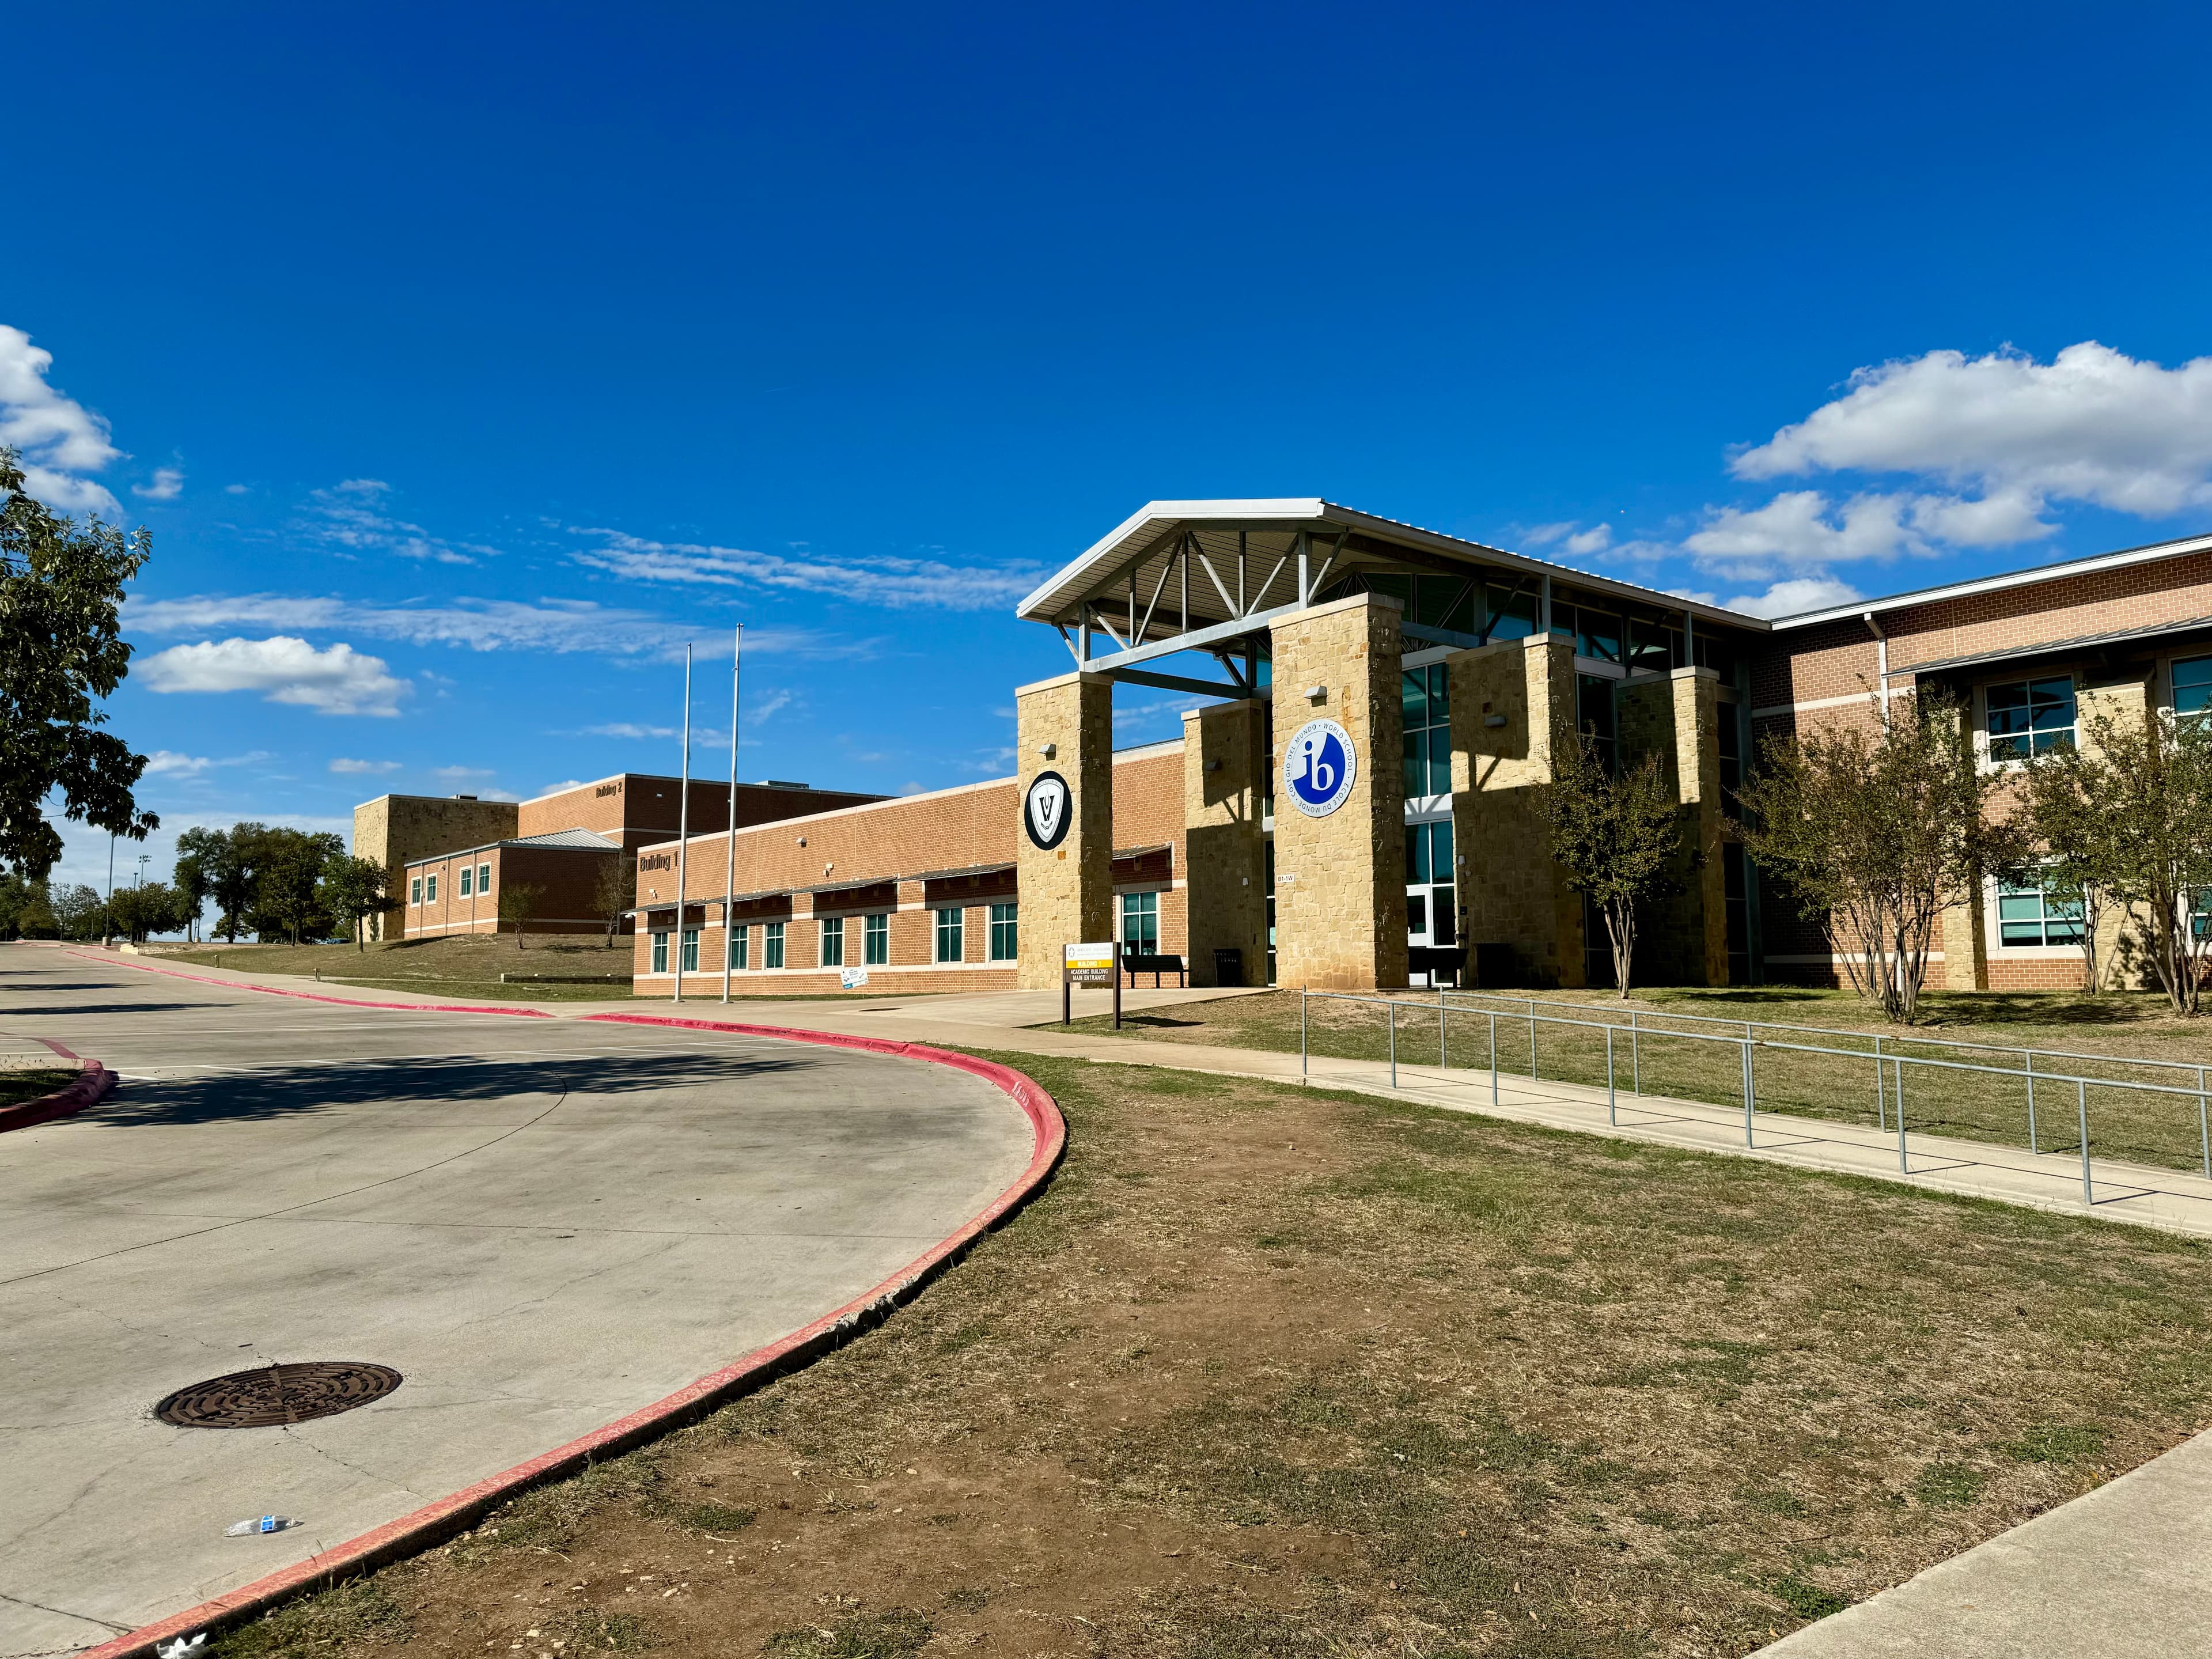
1212,576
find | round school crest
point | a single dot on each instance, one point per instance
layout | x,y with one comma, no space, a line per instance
1045,810
1318,767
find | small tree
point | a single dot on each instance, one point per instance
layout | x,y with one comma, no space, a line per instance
518,904
2065,793
1616,838
616,892
26,909
1876,833
352,889
152,907
229,860
78,913
2140,799
198,851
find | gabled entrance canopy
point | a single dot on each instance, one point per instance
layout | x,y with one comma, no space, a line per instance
1212,576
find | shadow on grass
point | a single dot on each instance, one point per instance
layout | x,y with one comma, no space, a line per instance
294,1090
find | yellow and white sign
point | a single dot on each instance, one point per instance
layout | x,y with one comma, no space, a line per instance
1089,964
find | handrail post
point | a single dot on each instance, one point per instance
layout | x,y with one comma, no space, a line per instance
1747,1085
2031,1101
1302,1031
1444,1062
1393,1008
1532,1039
1493,1057
2081,1100
2203,1124
1612,1108
1903,1158
1635,1057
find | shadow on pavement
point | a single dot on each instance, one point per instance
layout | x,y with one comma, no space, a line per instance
11,1008
292,1090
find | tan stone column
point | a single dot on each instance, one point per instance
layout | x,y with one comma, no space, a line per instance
1064,726
1224,764
1513,708
1341,878
1703,907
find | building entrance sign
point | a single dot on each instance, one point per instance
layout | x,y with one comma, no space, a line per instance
1318,768
1045,813
1089,964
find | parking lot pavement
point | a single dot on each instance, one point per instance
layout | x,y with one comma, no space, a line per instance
541,1225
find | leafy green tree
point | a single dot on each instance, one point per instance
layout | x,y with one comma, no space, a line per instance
351,890
26,909
229,860
1876,831
152,907
78,913
1617,839
61,587
518,904
288,872
198,851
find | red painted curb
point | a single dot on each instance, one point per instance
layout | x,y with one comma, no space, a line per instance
310,996
412,1534
93,1084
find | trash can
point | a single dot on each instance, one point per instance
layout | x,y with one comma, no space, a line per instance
1228,966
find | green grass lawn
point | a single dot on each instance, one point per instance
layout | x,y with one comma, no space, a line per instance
16,1087
1268,1371
2165,1130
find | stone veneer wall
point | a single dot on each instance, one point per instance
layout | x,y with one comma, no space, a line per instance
397,829
1683,937
1340,880
1510,888
1066,894
1225,766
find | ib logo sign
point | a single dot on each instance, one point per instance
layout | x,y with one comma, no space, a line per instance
1318,768
1045,810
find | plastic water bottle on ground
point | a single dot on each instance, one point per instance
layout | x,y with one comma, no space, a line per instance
259,1524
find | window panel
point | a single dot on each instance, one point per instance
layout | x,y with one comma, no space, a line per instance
483,879
430,890
660,953
690,950
740,947
772,945
2029,913
2030,717
468,876
414,891
1005,934
2192,686
951,946
1140,923
833,941
876,940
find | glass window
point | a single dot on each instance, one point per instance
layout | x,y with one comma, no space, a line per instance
659,952
1508,614
1270,878
1005,938
833,941
468,876
2030,717
1598,633
772,945
483,879
2192,686
1735,896
2029,913
1593,701
690,950
950,945
876,940
2200,912
1425,705
431,889
1731,737
414,891
740,946
1140,923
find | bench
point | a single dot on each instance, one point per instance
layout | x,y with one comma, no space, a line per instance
1134,963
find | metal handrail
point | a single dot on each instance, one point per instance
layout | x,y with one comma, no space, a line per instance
1749,1044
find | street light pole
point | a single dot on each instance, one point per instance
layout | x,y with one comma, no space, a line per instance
730,841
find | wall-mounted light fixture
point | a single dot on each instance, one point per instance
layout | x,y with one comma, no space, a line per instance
1316,693
1049,750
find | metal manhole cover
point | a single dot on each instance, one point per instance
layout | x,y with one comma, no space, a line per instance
273,1396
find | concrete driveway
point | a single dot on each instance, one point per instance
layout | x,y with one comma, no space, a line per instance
542,1224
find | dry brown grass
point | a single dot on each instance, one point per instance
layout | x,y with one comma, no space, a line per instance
1274,1372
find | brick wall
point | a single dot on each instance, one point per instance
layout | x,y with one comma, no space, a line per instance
567,876
397,829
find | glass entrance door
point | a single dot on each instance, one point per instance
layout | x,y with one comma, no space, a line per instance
1432,902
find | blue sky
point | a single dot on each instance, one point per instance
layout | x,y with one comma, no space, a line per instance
465,361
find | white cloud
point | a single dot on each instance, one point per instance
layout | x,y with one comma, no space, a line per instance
166,763
337,680
2093,425
59,439
555,625
350,514
363,768
629,729
1799,527
238,489
169,484
1787,599
456,773
760,713
898,583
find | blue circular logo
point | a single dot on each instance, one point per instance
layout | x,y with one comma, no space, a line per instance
1318,768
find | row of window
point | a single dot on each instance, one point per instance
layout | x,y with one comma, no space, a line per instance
2026,718
423,890
949,934
2029,912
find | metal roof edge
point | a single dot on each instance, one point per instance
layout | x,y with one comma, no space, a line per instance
2149,553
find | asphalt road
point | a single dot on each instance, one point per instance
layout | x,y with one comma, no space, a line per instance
542,1224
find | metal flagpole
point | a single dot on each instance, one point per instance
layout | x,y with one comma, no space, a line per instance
730,844
684,826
